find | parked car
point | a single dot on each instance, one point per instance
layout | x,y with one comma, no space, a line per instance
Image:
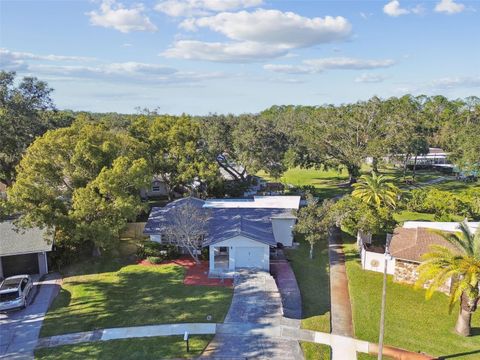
14,291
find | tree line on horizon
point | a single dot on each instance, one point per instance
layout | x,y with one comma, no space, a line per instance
81,173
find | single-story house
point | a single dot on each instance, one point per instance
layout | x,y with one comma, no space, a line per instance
240,232
23,251
406,247
158,188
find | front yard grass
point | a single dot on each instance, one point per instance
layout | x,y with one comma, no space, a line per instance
134,349
314,282
131,296
412,322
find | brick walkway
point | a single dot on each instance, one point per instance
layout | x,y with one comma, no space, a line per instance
288,287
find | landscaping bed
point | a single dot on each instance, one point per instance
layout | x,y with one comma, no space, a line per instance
169,347
134,295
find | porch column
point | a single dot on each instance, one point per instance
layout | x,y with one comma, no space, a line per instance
231,258
211,258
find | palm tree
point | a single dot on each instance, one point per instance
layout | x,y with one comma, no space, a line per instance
463,266
376,190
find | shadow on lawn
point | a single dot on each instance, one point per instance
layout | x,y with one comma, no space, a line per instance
134,296
313,278
457,355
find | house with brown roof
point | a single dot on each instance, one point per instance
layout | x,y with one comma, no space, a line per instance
406,247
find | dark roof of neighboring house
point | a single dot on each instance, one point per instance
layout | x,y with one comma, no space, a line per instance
411,244
224,223
15,241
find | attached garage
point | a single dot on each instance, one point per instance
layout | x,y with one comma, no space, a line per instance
239,252
249,257
23,251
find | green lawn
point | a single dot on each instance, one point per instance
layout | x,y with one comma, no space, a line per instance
133,295
313,280
140,348
411,322
456,186
330,183
327,183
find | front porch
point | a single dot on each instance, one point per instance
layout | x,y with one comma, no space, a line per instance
221,262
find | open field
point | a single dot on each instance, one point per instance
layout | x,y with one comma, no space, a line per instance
133,295
331,183
412,322
313,280
169,347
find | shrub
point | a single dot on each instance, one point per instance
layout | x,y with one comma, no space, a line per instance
154,249
155,259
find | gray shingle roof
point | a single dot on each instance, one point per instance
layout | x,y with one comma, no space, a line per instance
224,223
14,242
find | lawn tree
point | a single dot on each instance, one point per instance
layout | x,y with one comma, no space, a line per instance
26,111
102,209
463,266
187,227
216,131
260,145
314,221
70,177
176,152
376,190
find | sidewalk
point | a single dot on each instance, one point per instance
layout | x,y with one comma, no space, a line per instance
341,309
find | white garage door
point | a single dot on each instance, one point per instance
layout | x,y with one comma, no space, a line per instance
249,257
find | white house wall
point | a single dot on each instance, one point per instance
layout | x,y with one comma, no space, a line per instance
376,262
243,242
156,238
283,230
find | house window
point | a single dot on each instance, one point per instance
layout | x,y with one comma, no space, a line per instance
156,186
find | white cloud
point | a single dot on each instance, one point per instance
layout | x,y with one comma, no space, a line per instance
456,81
258,35
393,9
114,15
59,67
186,8
370,78
313,66
16,60
288,69
237,52
449,7
275,27
418,9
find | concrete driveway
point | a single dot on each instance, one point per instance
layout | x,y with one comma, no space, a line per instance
251,325
19,330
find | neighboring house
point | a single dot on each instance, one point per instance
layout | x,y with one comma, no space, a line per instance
240,232
158,188
23,251
406,247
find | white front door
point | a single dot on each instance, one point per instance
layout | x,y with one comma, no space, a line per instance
249,257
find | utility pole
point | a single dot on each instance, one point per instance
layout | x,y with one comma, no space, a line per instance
384,299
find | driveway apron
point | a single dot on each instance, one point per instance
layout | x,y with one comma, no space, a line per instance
249,330
19,330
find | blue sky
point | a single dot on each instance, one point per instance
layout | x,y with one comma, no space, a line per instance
234,56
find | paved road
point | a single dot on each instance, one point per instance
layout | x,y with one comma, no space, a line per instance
256,303
19,330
